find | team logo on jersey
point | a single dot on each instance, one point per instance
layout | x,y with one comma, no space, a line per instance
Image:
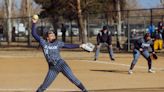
50,47
145,45
46,48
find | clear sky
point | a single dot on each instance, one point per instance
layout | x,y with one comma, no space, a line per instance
149,3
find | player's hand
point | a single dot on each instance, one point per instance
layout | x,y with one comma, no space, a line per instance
35,18
81,45
141,49
34,21
153,52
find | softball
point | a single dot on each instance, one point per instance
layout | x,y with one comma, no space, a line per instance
35,17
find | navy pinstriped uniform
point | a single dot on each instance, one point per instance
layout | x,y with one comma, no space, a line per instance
55,62
145,45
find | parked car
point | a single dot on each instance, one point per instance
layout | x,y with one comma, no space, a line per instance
94,30
59,33
20,30
73,30
70,30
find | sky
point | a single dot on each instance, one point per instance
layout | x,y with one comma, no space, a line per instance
149,3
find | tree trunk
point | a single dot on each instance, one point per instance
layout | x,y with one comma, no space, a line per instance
80,22
55,21
85,28
8,4
118,21
28,7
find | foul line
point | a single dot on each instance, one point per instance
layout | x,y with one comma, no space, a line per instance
119,64
28,89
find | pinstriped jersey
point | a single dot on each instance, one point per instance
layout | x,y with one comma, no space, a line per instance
52,50
142,43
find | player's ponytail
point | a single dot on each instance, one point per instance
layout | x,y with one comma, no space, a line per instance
146,35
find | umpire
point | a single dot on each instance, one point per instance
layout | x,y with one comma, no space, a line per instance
104,38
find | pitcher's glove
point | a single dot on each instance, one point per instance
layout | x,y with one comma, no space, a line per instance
89,47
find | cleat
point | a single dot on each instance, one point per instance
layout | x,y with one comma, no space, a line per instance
130,72
151,71
113,59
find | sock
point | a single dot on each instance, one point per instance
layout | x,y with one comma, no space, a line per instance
132,66
149,62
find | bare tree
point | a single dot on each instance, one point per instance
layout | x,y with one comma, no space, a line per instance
132,4
1,8
13,7
28,9
80,22
23,8
119,5
162,3
8,4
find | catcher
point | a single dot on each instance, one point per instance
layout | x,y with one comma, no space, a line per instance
141,47
51,49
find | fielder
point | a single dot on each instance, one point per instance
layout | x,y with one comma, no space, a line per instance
104,38
51,49
141,47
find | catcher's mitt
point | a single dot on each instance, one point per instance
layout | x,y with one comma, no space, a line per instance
88,47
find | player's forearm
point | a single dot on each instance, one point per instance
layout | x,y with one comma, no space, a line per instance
34,34
138,45
71,46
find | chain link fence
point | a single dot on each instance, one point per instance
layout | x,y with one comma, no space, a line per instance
134,24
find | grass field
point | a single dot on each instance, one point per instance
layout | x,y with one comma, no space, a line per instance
24,71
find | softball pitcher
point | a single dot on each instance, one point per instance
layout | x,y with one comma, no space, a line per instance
141,47
51,49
